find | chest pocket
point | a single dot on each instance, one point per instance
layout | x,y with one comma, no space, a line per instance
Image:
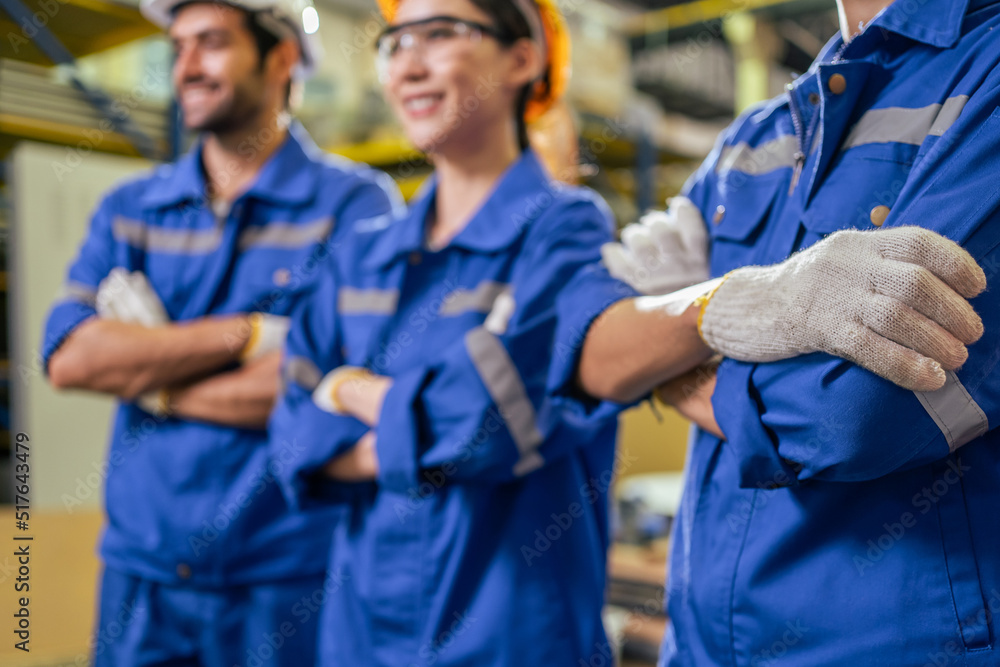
365,314
277,261
736,215
182,261
859,191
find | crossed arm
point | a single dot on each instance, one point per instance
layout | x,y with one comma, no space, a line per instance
128,359
190,359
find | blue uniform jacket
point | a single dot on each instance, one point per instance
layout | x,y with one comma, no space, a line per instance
195,501
847,521
483,541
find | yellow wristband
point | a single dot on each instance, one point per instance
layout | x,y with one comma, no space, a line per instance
701,302
256,321
345,374
161,408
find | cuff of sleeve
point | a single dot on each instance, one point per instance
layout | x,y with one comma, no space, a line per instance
297,461
584,300
64,318
737,412
397,435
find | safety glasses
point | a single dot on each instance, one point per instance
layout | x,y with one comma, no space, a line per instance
433,37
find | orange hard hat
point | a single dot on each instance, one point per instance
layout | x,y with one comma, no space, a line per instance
550,87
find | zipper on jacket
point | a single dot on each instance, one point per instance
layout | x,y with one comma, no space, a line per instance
800,157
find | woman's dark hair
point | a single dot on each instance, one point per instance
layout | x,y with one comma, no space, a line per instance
512,26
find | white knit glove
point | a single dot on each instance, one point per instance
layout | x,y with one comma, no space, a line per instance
267,333
663,252
892,301
128,297
325,393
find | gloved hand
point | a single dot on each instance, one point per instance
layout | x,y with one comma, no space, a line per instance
267,333
663,252
128,297
892,301
325,393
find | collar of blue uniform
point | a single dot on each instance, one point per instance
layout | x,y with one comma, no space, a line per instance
523,192
288,177
934,22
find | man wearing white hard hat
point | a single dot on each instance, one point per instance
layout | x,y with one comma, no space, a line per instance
177,304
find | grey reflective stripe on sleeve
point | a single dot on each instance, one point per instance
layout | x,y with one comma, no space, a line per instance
767,157
955,412
354,301
905,126
285,234
158,239
503,382
479,300
302,372
74,291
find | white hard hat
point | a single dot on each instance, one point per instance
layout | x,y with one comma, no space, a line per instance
295,19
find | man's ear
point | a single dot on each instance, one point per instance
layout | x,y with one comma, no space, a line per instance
284,57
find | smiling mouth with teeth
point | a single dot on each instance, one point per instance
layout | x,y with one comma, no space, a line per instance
422,103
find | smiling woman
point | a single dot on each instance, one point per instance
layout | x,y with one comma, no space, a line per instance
453,453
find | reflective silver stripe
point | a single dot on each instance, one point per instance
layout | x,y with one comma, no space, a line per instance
765,158
529,463
285,234
302,372
479,300
503,309
955,412
353,301
905,126
504,384
74,291
158,239
949,114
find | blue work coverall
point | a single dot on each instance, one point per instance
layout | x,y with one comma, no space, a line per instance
845,520
483,540
205,563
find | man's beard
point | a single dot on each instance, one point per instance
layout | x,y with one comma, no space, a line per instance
236,113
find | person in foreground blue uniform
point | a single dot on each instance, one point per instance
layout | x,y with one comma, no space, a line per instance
830,517
178,303
477,508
